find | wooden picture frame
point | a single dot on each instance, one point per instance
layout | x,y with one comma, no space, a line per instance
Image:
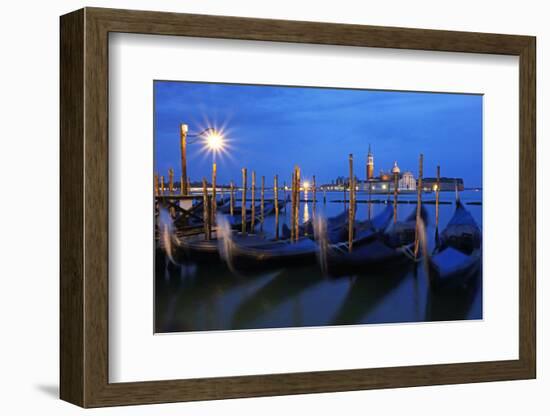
84,207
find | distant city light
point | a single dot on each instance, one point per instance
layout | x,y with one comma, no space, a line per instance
306,185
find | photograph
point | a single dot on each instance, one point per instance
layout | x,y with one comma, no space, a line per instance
284,206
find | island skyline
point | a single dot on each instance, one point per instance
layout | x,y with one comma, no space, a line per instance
269,129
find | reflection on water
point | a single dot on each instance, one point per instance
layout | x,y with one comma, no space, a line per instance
196,297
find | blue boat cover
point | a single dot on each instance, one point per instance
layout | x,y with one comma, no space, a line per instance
450,261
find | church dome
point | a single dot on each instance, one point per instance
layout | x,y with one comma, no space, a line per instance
395,168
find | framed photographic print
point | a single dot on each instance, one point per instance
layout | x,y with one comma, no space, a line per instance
255,207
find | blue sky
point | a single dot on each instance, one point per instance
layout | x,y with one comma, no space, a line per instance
269,129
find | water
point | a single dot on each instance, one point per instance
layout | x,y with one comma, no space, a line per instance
198,297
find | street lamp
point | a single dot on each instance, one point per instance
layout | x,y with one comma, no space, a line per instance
213,140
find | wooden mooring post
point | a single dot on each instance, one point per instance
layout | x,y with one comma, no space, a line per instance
171,181
253,203
351,213
157,184
276,202
262,200
231,198
183,149
206,210
418,205
214,202
243,207
297,207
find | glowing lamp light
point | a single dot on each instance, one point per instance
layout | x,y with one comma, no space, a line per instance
435,187
306,185
214,141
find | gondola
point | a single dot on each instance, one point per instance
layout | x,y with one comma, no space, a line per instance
243,255
385,251
279,253
366,230
457,256
336,228
198,249
454,305
235,221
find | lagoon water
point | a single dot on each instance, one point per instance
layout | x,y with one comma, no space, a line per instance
198,297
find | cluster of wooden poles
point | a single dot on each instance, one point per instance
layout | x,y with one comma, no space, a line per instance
210,202
295,202
160,184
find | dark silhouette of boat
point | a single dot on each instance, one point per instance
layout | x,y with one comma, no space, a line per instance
251,251
386,250
336,227
198,249
283,253
242,255
455,305
457,256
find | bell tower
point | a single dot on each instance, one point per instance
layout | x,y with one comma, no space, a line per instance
370,165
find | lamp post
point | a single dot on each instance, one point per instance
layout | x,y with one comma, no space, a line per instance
183,145
213,140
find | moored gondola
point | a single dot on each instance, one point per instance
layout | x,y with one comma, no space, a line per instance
199,250
389,250
457,256
265,254
336,228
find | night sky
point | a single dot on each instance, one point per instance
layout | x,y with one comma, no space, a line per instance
270,129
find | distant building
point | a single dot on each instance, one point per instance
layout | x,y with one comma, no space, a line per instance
395,169
445,184
384,182
385,176
341,180
370,165
407,182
